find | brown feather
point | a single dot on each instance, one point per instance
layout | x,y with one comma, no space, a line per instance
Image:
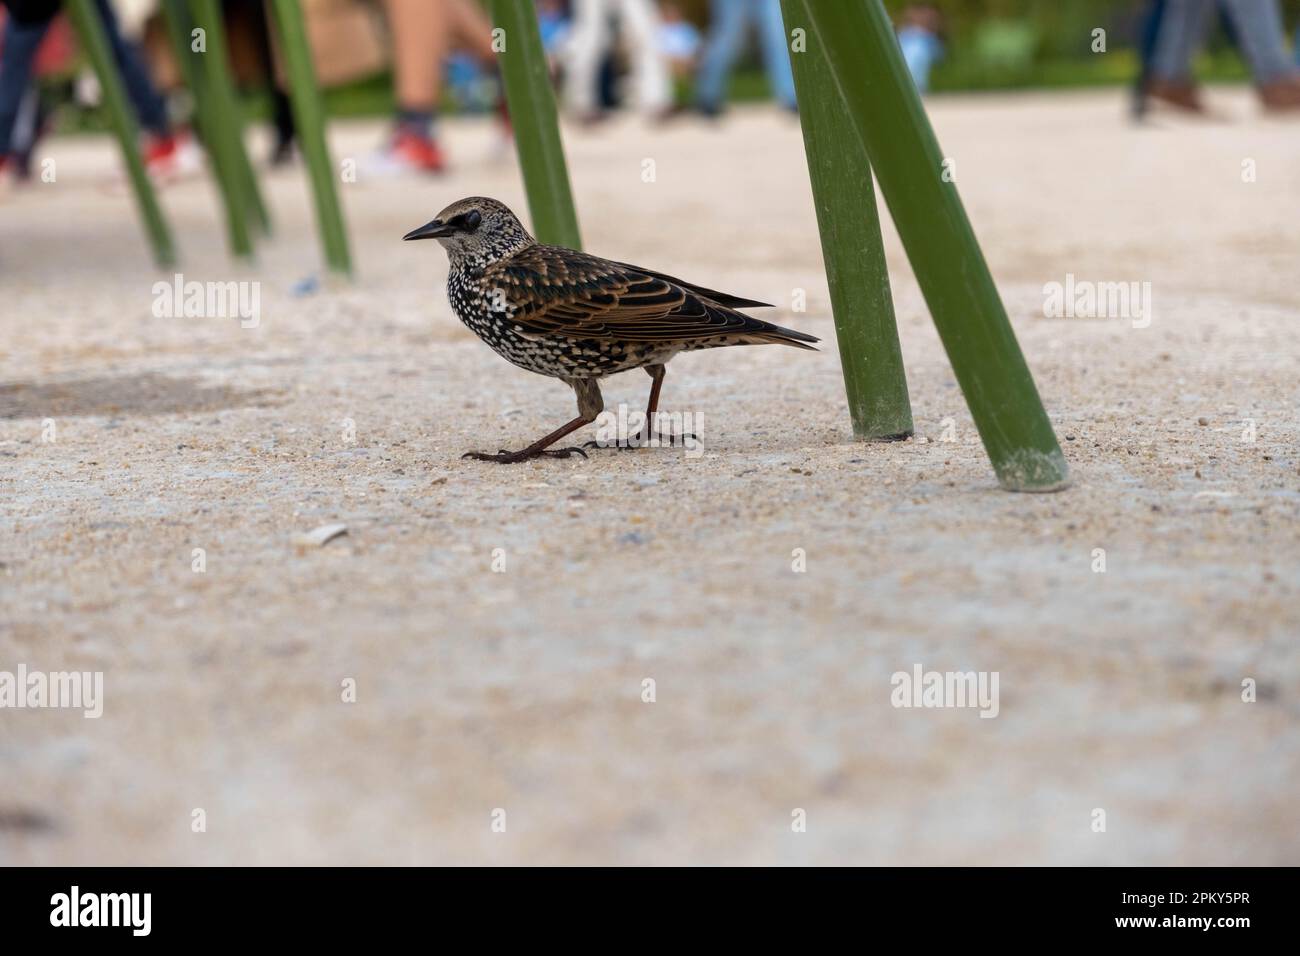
551,290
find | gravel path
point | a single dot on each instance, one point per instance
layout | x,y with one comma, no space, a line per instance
497,625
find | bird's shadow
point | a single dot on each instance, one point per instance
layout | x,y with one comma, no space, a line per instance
131,395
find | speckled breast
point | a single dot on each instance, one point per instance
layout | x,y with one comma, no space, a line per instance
558,357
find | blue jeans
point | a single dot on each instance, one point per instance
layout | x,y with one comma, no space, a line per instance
21,42
728,21
1256,24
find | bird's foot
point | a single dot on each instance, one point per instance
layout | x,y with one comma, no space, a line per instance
504,457
641,440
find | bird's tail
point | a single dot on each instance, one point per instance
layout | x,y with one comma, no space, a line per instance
779,335
741,329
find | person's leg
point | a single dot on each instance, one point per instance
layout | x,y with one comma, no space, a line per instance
26,128
1148,33
1261,36
639,20
1180,35
776,52
253,15
727,19
148,102
1180,32
471,29
21,41
419,31
587,45
421,37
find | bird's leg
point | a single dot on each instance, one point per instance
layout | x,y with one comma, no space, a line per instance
656,373
590,404
642,438
537,449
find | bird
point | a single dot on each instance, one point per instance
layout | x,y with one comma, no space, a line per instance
577,317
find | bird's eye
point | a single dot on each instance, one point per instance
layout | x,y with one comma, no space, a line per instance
471,220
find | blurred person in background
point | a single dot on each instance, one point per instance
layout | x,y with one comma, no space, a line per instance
33,117
423,32
589,44
554,24
1148,33
679,41
920,35
1179,31
251,16
26,27
729,21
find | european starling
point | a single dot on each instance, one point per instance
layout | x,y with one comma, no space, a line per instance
576,317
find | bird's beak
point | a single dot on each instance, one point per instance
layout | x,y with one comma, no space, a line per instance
431,230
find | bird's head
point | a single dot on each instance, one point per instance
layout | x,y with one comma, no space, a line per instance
475,228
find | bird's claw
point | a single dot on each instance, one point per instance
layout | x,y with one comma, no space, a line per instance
599,444
504,457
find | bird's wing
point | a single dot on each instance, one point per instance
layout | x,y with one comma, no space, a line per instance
556,291
722,298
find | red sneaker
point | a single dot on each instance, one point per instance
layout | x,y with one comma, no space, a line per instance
413,151
171,156
160,153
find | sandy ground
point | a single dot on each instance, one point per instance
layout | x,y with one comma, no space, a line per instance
522,689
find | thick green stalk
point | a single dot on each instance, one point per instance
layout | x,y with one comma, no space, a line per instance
180,26
536,124
845,200
90,29
309,118
884,105
215,98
